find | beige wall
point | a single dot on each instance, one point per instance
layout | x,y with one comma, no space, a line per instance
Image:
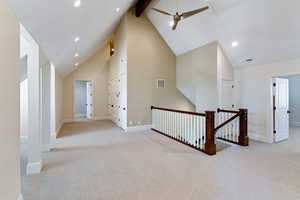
254,93
10,105
149,59
197,75
94,69
59,118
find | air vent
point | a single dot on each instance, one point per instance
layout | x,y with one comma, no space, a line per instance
160,83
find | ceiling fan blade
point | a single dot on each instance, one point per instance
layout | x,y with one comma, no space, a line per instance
194,12
162,12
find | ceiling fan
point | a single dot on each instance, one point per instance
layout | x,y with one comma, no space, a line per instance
178,17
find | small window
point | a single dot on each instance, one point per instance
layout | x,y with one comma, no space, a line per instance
160,83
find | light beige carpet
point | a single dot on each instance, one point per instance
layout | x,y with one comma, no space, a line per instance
97,161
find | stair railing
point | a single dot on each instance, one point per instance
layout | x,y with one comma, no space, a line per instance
196,130
232,126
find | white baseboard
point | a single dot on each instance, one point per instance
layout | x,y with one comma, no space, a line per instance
45,148
20,197
68,121
101,118
34,168
259,138
80,115
85,120
296,124
139,128
57,131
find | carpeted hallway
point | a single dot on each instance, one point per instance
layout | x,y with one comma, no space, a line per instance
97,161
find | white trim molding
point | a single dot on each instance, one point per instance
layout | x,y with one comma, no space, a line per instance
97,118
80,115
46,147
139,128
20,197
34,168
258,137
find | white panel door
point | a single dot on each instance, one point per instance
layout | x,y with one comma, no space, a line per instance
89,100
123,102
281,109
227,94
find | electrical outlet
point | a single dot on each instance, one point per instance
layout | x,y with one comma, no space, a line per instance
130,123
138,122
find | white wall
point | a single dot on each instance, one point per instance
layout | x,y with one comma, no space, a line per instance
59,117
45,106
197,76
253,85
24,109
200,75
80,98
294,89
9,104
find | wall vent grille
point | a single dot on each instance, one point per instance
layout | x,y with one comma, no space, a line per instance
160,83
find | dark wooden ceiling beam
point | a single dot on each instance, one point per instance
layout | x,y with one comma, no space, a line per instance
141,6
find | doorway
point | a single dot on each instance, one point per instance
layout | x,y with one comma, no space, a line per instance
83,104
286,106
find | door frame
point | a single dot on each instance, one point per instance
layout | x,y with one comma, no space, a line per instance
270,109
74,97
274,112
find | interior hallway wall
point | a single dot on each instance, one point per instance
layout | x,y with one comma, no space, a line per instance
149,59
9,104
197,76
94,69
254,93
294,90
59,118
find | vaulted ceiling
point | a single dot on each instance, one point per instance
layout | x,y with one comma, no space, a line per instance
266,30
56,23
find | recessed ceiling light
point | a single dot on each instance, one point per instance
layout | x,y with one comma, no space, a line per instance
76,39
118,9
172,23
235,44
77,3
76,64
76,55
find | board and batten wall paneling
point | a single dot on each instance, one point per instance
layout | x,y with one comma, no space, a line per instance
294,90
253,86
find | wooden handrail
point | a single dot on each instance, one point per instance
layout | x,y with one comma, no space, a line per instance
227,111
228,121
179,111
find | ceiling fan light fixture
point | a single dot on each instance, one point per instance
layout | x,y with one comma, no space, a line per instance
77,3
172,23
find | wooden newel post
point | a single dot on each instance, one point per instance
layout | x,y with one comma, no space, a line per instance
210,146
243,137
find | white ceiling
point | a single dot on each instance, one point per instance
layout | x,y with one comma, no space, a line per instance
55,23
267,30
